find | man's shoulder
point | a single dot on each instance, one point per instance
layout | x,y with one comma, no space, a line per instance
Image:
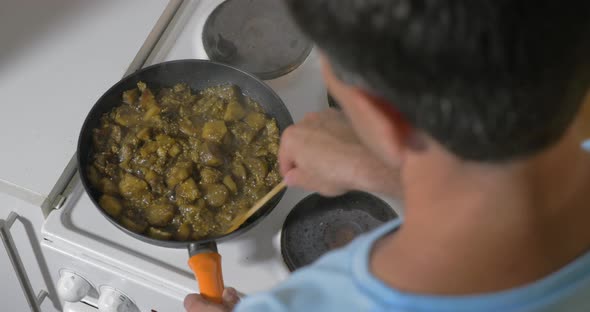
329,284
326,285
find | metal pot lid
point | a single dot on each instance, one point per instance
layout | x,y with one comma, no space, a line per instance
319,224
258,36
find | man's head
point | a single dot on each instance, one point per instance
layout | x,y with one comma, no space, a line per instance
490,80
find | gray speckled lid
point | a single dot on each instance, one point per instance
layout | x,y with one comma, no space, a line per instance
319,224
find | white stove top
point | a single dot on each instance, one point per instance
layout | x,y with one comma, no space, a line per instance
251,262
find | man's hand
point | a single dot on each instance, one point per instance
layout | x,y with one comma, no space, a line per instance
196,303
323,154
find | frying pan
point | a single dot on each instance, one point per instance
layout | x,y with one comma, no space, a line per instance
204,259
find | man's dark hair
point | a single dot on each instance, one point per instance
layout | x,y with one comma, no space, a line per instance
491,80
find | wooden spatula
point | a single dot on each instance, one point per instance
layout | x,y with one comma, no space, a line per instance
239,220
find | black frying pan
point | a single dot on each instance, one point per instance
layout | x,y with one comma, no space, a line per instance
197,74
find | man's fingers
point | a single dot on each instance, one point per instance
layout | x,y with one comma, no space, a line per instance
293,143
299,178
311,116
230,297
193,302
324,136
295,177
196,303
286,160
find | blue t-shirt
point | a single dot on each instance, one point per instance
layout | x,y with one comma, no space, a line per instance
341,281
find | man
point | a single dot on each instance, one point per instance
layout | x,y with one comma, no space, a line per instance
482,106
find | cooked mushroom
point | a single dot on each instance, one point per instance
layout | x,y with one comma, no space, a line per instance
177,164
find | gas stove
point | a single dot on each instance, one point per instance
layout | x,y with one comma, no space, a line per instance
94,257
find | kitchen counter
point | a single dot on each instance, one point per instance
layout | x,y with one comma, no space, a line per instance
56,59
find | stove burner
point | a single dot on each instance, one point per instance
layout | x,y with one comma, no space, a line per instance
319,224
257,36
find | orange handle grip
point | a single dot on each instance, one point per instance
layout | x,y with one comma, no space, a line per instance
207,269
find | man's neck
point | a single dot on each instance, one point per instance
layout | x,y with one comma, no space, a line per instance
472,228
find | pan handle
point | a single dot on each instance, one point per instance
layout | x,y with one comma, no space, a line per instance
205,262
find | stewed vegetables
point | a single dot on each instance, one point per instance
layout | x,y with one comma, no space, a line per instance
179,164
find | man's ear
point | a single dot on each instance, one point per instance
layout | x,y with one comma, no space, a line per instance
390,129
379,125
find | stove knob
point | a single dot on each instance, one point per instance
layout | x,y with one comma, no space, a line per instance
71,287
112,300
